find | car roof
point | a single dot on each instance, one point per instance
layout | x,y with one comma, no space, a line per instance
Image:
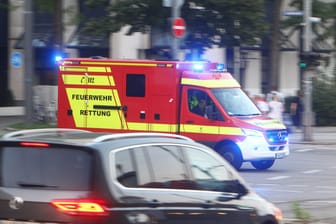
87,138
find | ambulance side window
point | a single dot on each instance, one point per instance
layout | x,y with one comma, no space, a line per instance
135,85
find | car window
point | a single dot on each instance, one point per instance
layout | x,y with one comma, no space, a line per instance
209,172
56,168
152,167
125,169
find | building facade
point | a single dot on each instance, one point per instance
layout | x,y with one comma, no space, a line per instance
118,45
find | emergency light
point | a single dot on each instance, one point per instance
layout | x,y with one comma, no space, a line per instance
58,58
198,67
220,67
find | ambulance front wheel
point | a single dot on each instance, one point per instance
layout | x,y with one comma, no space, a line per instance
232,154
262,164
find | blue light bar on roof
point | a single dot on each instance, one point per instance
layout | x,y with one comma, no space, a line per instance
58,58
198,67
220,67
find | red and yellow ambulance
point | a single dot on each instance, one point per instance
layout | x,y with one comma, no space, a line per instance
195,99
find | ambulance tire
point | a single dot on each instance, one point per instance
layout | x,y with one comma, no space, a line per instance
262,164
232,154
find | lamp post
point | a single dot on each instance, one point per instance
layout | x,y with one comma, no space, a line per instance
307,80
28,61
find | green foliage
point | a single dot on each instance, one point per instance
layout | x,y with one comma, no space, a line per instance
301,215
221,22
322,9
324,104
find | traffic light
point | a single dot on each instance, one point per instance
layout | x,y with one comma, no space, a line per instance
309,59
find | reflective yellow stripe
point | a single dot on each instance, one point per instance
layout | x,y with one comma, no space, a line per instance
215,83
163,127
112,83
96,62
268,124
97,80
120,112
186,128
73,69
134,126
218,130
85,69
119,63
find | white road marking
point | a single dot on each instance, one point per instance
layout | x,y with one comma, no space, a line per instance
304,150
278,177
311,171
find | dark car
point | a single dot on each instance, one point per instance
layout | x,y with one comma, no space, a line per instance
74,176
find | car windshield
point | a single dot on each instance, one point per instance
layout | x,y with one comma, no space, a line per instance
236,102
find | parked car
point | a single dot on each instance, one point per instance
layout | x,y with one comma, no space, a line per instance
76,176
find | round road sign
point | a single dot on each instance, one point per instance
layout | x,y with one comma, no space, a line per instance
178,27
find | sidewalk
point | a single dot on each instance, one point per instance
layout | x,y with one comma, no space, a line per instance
320,136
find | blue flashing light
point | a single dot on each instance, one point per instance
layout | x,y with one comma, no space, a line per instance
58,58
220,67
198,67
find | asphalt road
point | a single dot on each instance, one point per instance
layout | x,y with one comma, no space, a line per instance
306,177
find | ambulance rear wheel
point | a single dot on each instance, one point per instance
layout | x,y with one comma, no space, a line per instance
232,154
262,164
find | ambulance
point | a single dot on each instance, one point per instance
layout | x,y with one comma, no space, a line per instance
200,100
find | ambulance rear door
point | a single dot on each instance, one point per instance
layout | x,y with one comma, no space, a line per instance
90,99
134,97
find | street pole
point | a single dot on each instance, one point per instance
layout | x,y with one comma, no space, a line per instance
28,60
175,14
307,82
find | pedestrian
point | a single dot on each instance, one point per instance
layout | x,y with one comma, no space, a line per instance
276,108
274,91
261,104
296,109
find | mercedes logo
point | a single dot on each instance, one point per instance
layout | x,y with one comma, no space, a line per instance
281,136
16,203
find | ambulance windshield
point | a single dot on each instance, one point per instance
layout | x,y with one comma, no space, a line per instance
235,102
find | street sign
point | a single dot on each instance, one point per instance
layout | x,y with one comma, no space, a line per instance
178,27
293,13
16,59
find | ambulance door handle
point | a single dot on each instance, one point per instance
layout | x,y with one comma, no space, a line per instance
190,122
142,115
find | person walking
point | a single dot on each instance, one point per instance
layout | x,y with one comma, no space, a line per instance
276,108
261,104
296,109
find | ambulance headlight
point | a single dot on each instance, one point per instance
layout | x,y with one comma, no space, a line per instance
253,137
198,67
252,133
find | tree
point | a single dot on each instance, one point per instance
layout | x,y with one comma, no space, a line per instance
224,23
324,10
324,86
